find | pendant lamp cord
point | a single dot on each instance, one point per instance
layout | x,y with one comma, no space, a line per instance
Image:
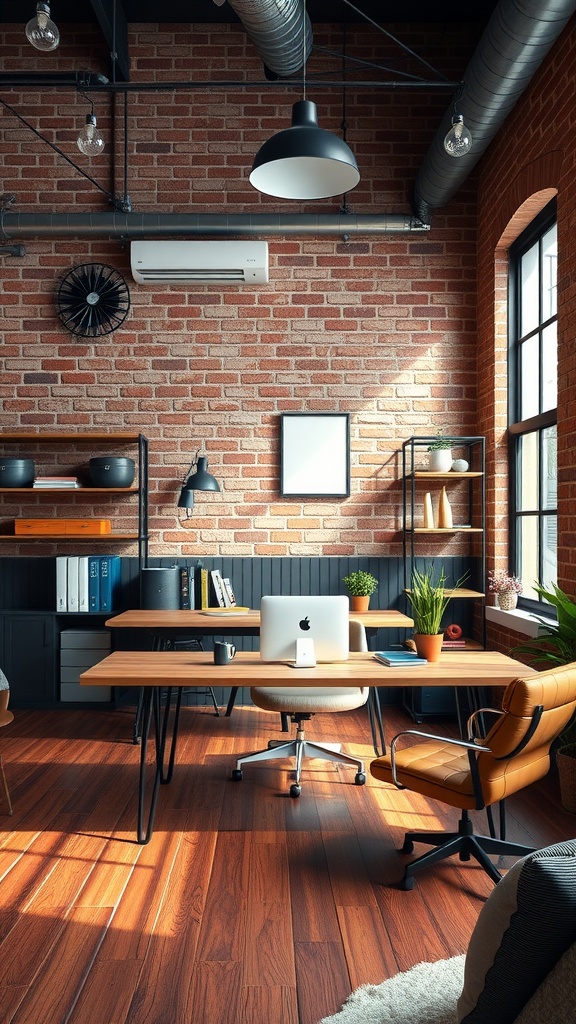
303,49
344,124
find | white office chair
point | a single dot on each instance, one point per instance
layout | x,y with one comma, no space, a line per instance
300,704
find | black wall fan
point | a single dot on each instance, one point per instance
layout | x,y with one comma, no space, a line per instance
92,300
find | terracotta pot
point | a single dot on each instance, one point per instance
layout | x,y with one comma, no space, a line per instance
429,645
360,602
507,600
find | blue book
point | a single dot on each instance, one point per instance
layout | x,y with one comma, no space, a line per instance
94,583
401,658
109,581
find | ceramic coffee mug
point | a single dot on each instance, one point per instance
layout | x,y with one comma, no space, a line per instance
223,652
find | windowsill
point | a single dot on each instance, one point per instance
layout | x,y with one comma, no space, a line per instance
518,621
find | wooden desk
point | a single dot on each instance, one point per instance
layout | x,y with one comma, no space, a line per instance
196,623
166,626
153,671
197,668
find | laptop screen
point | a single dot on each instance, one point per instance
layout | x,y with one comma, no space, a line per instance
283,620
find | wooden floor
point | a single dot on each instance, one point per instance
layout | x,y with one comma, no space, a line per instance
247,906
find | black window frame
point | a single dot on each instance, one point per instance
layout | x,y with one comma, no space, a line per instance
517,427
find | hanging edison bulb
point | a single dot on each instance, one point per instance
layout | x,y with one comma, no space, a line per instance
41,30
89,141
458,141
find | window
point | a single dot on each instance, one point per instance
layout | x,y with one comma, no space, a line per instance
533,321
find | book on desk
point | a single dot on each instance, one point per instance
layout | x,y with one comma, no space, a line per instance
399,658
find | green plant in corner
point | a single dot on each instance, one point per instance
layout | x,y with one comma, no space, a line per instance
555,645
556,641
429,599
360,583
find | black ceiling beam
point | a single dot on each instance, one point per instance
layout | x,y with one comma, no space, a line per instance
111,18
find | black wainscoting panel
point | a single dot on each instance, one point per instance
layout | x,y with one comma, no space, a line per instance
28,585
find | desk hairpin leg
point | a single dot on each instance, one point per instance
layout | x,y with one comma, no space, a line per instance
374,709
152,709
375,715
231,701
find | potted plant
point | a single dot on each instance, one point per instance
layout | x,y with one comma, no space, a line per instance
428,600
506,587
440,453
556,645
361,585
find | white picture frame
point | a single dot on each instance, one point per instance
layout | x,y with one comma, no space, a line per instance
315,455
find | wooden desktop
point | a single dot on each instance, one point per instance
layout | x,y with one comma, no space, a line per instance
156,671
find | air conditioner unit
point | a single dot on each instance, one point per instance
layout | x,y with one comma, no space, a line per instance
178,262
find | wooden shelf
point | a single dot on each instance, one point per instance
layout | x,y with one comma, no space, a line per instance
457,592
69,490
443,529
423,474
90,538
78,438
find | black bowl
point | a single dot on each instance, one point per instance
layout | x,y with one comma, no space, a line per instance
111,472
16,472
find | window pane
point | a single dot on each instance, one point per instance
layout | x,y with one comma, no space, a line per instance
549,265
549,548
534,385
549,468
528,473
530,372
528,568
550,367
529,291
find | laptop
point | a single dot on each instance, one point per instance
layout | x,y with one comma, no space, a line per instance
283,620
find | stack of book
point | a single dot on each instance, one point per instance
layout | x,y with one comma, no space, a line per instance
204,588
87,583
404,659
56,482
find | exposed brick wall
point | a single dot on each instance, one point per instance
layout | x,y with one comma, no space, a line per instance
381,327
523,169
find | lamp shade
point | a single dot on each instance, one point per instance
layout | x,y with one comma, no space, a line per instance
304,161
199,480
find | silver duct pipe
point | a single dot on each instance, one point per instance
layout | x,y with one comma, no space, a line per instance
280,30
165,225
515,42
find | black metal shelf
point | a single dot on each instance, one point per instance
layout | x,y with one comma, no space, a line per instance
28,441
415,536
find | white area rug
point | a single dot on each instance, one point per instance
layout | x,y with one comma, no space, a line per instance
426,994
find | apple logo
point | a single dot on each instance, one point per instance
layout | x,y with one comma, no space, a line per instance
304,624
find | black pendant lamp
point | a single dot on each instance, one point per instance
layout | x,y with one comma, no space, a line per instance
198,480
304,161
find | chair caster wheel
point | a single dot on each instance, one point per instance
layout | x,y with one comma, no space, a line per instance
408,846
360,778
407,883
295,789
237,774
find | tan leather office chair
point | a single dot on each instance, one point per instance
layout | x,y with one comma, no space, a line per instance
6,717
478,773
299,705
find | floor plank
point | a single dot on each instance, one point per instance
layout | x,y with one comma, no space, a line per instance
246,905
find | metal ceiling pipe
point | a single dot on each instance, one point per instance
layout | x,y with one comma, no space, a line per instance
515,42
166,225
280,30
